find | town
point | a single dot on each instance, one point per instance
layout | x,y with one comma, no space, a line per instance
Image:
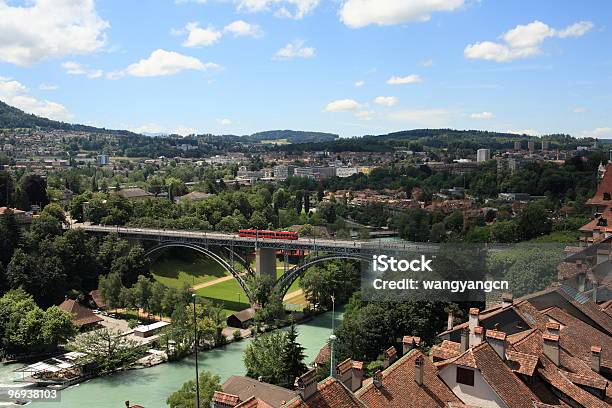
305,204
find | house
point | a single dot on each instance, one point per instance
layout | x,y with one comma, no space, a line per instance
241,319
82,317
328,393
135,194
192,197
411,382
238,390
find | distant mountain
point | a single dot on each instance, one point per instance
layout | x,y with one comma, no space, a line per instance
292,136
11,117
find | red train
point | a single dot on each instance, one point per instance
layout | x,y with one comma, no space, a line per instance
266,234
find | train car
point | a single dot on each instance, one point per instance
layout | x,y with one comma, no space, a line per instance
267,234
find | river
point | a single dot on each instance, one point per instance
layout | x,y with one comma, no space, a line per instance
151,386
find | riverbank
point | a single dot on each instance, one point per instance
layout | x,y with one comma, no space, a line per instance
150,387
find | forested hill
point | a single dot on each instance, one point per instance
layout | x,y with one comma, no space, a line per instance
11,117
451,139
291,136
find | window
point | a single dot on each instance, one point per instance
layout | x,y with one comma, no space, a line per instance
465,376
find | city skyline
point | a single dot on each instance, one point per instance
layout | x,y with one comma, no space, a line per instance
193,66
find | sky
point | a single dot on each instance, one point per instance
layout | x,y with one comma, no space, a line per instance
350,67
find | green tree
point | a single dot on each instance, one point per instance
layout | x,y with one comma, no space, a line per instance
110,288
263,357
292,358
185,397
10,236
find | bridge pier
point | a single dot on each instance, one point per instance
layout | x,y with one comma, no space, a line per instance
265,262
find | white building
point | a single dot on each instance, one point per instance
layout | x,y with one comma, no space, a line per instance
346,171
483,155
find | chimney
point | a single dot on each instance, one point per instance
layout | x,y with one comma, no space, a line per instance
596,358
473,321
478,335
553,328
595,294
127,404
581,277
465,342
507,299
377,379
551,348
497,340
450,323
350,373
410,342
390,356
418,370
306,384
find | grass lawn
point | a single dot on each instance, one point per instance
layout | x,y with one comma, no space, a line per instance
174,272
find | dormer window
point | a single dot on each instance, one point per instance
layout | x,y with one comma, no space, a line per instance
606,196
465,376
602,222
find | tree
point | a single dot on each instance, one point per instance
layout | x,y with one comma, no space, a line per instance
263,357
110,287
298,201
46,227
142,292
293,358
306,202
35,189
261,287
533,222
158,292
107,350
280,199
10,236
185,397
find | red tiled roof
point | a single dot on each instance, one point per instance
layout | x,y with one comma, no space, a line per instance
254,403
226,399
522,363
80,315
398,388
445,350
330,393
604,188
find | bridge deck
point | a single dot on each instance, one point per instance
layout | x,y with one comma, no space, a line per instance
225,239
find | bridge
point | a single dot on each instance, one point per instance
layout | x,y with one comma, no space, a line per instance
223,248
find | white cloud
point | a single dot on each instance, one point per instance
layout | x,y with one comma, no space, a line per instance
529,132
301,8
522,41
365,115
409,79
44,28
426,117
580,109
48,87
241,28
16,94
386,100
294,49
427,63
360,83
342,105
201,37
482,115
74,68
147,128
184,130
600,132
224,121
162,62
360,13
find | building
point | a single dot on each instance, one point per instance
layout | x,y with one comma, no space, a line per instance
148,330
346,171
518,145
238,390
102,159
241,319
135,194
82,317
192,197
531,146
282,172
545,145
483,155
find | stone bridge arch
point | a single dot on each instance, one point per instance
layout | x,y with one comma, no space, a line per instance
212,255
284,282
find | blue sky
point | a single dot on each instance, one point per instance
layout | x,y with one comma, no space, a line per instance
352,67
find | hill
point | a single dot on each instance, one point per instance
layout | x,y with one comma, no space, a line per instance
11,117
292,136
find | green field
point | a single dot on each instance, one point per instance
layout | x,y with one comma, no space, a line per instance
175,272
